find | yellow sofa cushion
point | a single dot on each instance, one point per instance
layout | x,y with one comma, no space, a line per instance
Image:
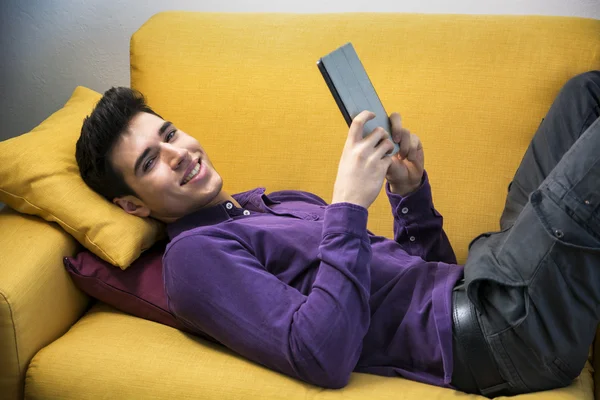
39,176
112,355
473,87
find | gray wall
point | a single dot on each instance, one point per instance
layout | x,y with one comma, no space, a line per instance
50,47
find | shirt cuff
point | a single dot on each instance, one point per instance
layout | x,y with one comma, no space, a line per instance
345,218
415,204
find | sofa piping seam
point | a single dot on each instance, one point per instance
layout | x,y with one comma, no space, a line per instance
60,221
14,331
57,219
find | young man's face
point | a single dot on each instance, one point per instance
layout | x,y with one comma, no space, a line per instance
155,158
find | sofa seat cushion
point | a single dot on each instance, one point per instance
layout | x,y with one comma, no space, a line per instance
112,355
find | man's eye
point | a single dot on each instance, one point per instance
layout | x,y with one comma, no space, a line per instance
147,164
168,139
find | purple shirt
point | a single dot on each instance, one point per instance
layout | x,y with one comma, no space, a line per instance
304,288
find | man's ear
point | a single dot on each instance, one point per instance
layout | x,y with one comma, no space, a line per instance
132,205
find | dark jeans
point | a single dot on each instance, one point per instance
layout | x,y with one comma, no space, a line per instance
536,283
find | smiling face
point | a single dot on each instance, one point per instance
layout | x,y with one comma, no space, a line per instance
156,161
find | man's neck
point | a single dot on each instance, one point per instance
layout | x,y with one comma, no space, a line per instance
220,198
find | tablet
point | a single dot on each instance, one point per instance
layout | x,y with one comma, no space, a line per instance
352,89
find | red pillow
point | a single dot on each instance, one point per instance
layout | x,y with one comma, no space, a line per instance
138,290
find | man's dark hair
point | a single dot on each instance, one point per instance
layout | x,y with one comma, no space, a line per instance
100,132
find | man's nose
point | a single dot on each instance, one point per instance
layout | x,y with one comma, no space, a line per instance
174,156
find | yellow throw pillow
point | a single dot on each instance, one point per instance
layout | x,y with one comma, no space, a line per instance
39,176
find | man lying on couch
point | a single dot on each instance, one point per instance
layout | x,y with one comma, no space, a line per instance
304,288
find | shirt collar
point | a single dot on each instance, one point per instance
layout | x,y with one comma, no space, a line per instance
219,213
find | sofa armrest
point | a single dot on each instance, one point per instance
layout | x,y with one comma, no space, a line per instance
38,300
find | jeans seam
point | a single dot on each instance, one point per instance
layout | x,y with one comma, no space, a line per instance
557,371
512,370
595,108
565,278
544,225
518,324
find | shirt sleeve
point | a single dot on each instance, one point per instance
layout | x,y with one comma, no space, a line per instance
418,225
220,288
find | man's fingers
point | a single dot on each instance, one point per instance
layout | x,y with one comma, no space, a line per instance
412,153
356,128
396,126
383,147
404,142
415,146
376,136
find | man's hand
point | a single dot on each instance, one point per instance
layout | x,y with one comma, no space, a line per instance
406,170
363,165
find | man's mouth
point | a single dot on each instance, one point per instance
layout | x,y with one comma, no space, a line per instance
192,173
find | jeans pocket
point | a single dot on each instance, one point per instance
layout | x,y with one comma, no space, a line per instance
486,234
560,225
524,369
476,238
562,372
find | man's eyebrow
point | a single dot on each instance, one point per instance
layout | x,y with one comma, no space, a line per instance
164,127
147,150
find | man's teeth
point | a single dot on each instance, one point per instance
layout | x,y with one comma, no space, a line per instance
192,174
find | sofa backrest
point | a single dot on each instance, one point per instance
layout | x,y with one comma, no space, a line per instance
474,88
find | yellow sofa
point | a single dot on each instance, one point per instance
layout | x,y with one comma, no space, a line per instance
474,88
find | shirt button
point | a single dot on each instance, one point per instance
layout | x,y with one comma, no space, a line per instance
404,210
246,212
412,238
229,206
